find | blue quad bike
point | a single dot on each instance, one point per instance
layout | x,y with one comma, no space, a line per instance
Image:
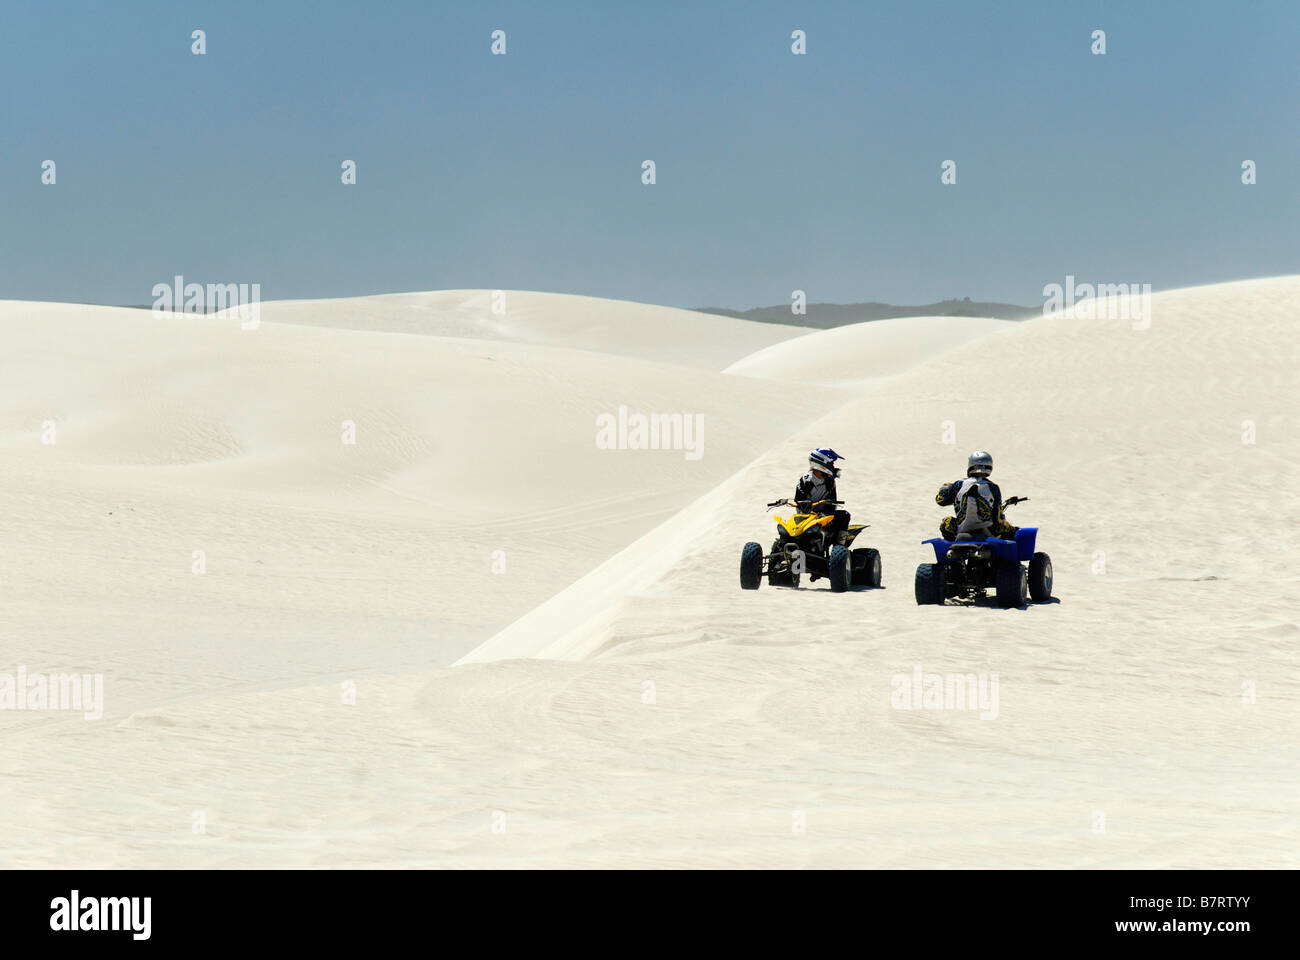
966,568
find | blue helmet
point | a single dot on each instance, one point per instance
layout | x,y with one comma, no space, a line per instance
823,459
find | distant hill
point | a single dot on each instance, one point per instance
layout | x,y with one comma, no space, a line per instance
823,316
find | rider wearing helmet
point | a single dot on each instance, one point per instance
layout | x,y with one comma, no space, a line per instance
976,503
818,485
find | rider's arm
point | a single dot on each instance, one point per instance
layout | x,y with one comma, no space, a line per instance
947,494
997,500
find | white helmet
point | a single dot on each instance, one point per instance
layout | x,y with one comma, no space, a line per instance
823,459
980,464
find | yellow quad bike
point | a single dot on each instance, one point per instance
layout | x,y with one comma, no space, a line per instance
800,547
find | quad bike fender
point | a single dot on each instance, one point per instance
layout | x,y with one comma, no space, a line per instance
1020,549
1026,540
801,523
848,535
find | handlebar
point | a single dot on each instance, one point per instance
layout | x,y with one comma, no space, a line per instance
787,501
1012,501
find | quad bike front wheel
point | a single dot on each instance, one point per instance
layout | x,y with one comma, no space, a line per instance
1040,577
866,567
929,583
781,573
751,566
1012,585
838,566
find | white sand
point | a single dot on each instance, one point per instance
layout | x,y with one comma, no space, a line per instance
371,563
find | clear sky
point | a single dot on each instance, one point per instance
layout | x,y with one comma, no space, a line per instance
774,172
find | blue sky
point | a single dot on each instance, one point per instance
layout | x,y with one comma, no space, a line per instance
775,172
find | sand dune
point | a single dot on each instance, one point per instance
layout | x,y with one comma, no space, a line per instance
685,722
862,353
455,510
683,337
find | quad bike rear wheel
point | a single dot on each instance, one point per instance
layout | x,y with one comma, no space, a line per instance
838,566
751,566
1040,577
1012,585
929,583
866,567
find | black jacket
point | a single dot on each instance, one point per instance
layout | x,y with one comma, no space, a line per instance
809,490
